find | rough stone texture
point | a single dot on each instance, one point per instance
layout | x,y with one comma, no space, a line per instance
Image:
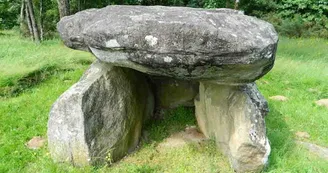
102,113
185,43
234,117
177,47
172,93
316,149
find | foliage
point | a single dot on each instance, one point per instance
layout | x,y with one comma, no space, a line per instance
258,8
309,10
298,27
9,12
24,65
293,18
305,18
215,4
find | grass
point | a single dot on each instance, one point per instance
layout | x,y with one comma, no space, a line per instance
33,76
24,64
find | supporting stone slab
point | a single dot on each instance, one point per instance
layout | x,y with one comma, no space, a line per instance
234,117
99,119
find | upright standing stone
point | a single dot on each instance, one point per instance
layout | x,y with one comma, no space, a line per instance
234,117
99,118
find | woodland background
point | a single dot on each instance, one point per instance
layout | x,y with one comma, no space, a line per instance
293,18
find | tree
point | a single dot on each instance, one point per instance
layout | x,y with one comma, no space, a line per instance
31,21
41,19
236,4
9,12
63,7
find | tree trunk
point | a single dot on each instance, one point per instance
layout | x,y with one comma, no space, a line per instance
33,21
236,4
227,3
28,21
63,7
79,5
41,19
22,15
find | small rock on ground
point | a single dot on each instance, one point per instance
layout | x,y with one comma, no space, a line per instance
35,143
322,102
302,134
279,98
313,90
316,149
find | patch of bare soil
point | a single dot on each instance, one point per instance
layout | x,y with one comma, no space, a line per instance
189,135
35,143
279,98
322,102
302,134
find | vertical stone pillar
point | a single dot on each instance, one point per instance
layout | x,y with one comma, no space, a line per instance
234,117
99,119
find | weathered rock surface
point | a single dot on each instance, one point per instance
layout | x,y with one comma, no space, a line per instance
185,43
316,149
102,113
234,117
172,93
215,54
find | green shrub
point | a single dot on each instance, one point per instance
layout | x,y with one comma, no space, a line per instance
298,27
258,8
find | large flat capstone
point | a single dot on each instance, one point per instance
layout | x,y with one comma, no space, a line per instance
184,43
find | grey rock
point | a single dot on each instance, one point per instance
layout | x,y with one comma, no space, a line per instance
172,93
99,119
179,42
316,149
234,117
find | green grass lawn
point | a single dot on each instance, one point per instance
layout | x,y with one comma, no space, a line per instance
33,76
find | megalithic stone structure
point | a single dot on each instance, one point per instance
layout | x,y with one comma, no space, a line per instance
164,57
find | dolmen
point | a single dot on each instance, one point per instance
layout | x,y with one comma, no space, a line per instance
155,57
